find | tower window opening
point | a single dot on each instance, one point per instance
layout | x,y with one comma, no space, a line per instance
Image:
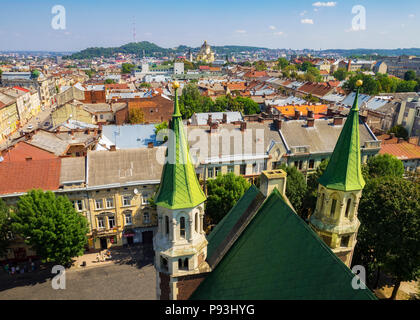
183,264
197,222
348,208
345,241
182,227
333,206
167,225
164,263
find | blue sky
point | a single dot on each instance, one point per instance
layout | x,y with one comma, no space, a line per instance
26,25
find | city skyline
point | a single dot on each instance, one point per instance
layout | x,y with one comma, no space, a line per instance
307,24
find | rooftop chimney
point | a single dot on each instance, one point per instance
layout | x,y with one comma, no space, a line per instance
209,120
297,114
214,127
338,121
310,114
243,126
310,122
113,148
224,120
277,124
150,145
273,179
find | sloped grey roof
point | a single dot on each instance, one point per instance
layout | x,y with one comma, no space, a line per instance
72,170
201,118
124,166
320,138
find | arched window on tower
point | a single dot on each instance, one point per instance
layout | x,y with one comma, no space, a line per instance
348,208
333,207
197,222
167,225
182,227
322,202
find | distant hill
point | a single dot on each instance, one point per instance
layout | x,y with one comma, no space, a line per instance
133,48
151,49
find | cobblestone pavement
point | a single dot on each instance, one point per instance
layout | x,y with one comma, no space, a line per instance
131,277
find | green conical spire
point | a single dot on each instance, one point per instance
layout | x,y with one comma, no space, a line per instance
179,187
344,168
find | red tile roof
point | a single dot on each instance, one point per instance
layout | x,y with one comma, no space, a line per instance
255,74
402,150
24,150
22,176
21,89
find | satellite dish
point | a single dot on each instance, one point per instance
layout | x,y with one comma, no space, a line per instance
136,191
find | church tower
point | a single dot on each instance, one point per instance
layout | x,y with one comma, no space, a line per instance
180,244
339,191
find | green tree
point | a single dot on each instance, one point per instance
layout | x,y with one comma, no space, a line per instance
5,227
248,105
389,234
400,131
305,65
109,81
51,225
35,74
406,86
410,75
260,65
191,101
370,84
340,74
222,194
385,165
127,67
145,85
162,127
295,187
309,201
136,116
313,74
282,63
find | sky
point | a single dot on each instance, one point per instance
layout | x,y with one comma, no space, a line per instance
295,24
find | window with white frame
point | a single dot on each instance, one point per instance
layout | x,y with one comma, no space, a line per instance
101,223
210,172
218,170
111,222
145,199
99,204
146,217
230,169
126,200
109,202
128,218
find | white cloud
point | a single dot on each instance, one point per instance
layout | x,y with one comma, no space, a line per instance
272,27
325,4
303,13
279,33
240,31
411,16
307,21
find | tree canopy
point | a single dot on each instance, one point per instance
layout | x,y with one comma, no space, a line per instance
51,225
282,63
127,67
340,74
400,131
389,234
136,116
295,187
4,227
222,194
385,165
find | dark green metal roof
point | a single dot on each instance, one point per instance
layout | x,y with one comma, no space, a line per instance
344,168
278,256
179,187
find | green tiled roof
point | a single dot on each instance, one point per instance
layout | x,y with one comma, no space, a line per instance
223,228
278,256
344,168
179,187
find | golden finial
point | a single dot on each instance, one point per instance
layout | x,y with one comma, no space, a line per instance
175,84
359,83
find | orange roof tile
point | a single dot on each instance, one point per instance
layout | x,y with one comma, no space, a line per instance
38,174
24,150
403,150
